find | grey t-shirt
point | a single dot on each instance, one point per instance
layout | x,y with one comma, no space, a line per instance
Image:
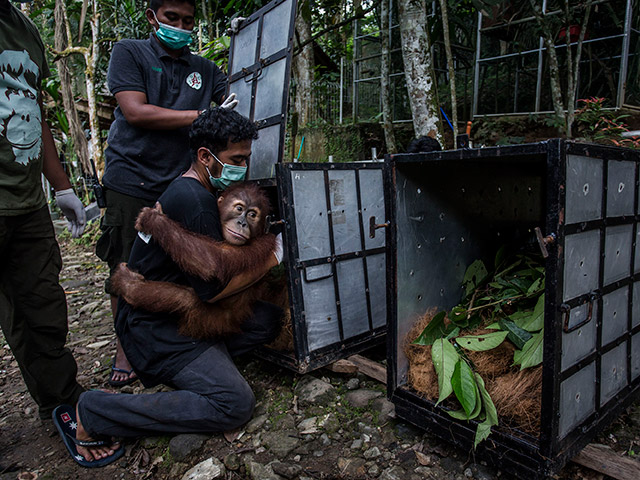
142,162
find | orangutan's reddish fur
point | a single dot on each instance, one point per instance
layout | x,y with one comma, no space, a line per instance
214,259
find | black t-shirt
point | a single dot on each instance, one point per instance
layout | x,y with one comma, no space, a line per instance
151,340
141,162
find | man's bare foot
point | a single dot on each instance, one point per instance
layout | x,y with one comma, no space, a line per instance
123,371
92,453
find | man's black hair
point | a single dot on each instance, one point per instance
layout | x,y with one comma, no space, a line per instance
156,4
423,145
216,127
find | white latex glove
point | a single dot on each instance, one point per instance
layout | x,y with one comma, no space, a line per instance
230,102
73,210
235,24
279,250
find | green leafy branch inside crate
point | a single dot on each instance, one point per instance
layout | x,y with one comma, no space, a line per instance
509,301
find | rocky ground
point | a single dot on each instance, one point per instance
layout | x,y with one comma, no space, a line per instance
321,425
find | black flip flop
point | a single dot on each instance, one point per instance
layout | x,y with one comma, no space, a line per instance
64,418
120,383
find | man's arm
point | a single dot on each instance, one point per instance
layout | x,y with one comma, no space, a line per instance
51,166
139,113
67,201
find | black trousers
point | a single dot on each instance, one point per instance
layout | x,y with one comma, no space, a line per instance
211,395
33,309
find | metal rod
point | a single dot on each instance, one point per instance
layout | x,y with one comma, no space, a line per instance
540,59
341,87
624,57
476,73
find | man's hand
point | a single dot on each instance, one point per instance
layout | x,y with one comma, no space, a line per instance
73,210
278,252
230,102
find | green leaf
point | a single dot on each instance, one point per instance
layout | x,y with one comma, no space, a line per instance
480,343
536,286
462,415
458,315
516,334
484,429
535,321
476,273
493,326
454,333
464,386
435,329
532,352
444,357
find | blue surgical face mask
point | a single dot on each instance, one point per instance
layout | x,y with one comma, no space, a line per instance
172,37
230,174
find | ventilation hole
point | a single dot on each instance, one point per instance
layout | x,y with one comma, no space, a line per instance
580,332
419,245
499,189
585,189
620,187
617,253
419,297
411,273
614,370
581,263
328,319
442,216
578,397
615,314
442,292
419,191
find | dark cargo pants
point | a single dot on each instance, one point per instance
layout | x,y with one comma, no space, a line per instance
211,395
33,309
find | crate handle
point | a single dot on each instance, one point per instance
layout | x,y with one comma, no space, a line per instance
316,279
566,309
373,226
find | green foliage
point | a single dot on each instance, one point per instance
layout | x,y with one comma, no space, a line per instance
597,124
510,301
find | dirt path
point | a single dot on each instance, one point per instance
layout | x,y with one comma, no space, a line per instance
322,425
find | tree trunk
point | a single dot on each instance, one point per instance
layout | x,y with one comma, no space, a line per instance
303,68
574,67
416,54
554,68
452,72
66,87
385,87
91,59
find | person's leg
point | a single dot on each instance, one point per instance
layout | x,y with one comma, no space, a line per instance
114,247
211,396
33,309
261,328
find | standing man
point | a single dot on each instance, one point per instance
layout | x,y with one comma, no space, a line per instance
161,88
33,309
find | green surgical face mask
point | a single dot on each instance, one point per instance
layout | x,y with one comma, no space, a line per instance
172,37
230,174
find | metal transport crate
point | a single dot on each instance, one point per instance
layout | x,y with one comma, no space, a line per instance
335,268
447,209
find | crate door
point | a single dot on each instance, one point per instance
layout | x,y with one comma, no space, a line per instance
337,271
259,72
598,349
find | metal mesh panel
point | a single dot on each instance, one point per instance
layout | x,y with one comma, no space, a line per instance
577,399
617,253
584,189
343,290
620,188
582,263
276,22
244,47
614,373
579,343
269,91
615,307
264,154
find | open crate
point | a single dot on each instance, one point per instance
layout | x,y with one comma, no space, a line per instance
450,208
335,267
